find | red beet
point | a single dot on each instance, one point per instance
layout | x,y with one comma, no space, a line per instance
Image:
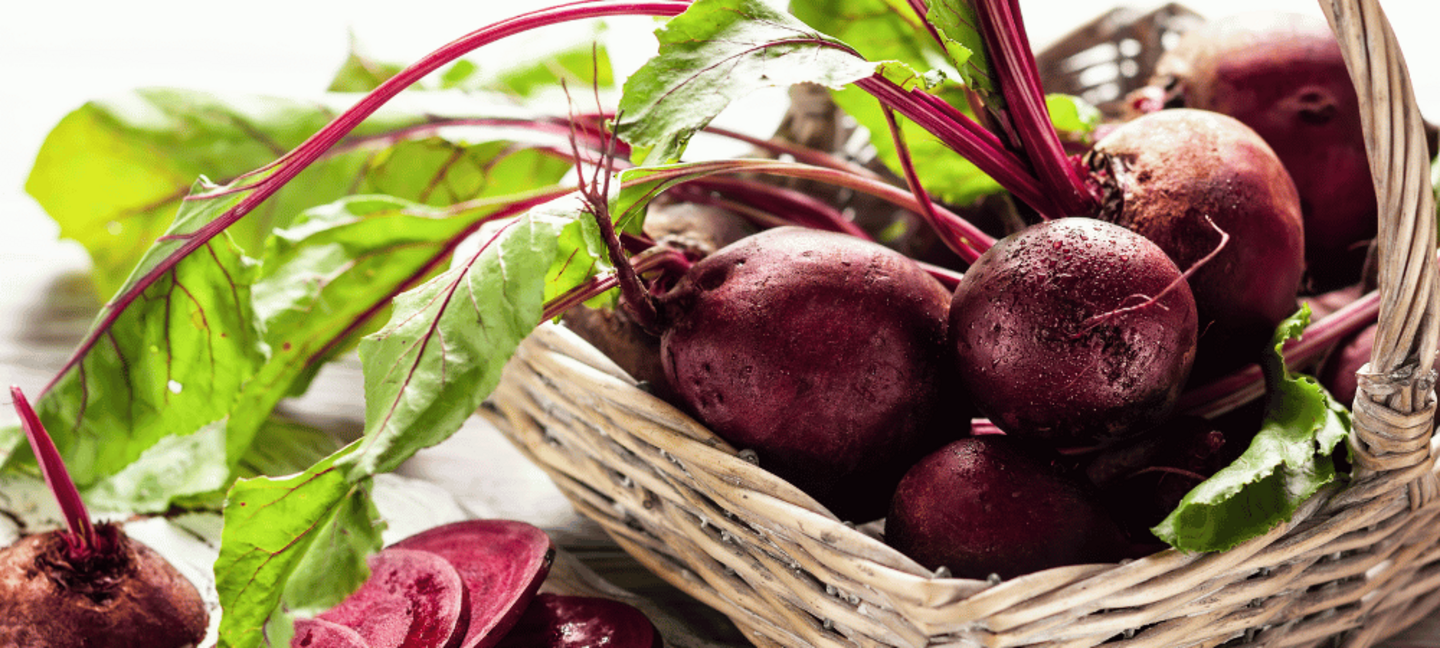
991,505
89,585
123,596
1177,176
413,599
554,621
1076,331
501,563
1283,76
822,352
318,633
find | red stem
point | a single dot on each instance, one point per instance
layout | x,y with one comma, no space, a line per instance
81,538
966,137
1003,31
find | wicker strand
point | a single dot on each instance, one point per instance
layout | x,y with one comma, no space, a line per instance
1398,378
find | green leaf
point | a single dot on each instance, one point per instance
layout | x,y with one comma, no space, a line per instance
946,175
175,467
113,172
360,72
880,30
1289,460
170,364
959,27
714,53
271,527
284,447
442,351
339,266
1072,116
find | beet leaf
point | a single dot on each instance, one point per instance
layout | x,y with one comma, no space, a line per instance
1288,461
135,157
714,53
276,529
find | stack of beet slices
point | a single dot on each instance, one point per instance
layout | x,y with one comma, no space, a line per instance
471,584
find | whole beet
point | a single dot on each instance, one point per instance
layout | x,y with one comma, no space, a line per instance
1178,176
1075,331
1283,75
121,595
992,505
821,352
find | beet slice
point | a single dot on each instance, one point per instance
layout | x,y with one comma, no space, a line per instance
555,621
413,599
319,633
502,563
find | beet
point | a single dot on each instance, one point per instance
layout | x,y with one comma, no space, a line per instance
1283,76
994,505
413,599
501,563
1175,177
1055,338
1144,479
821,352
318,633
123,596
89,585
555,621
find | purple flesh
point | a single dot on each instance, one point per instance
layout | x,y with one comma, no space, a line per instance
554,621
501,563
413,599
319,633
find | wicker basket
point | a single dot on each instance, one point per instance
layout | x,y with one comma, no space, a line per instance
1356,564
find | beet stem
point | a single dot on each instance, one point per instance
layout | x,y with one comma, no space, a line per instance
966,137
81,538
1003,31
948,231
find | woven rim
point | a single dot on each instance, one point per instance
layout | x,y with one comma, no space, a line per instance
1361,562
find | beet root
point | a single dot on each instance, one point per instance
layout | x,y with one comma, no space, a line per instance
1175,177
555,621
413,599
1075,331
821,352
991,504
1283,76
121,595
500,562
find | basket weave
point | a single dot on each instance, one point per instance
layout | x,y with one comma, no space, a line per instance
1357,563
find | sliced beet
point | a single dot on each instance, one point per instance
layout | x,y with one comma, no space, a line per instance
413,599
319,633
555,621
502,563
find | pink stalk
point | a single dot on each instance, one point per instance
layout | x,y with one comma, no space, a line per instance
81,538
966,137
292,163
949,233
1003,31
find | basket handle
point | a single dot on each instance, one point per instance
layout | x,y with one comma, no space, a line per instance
1395,403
